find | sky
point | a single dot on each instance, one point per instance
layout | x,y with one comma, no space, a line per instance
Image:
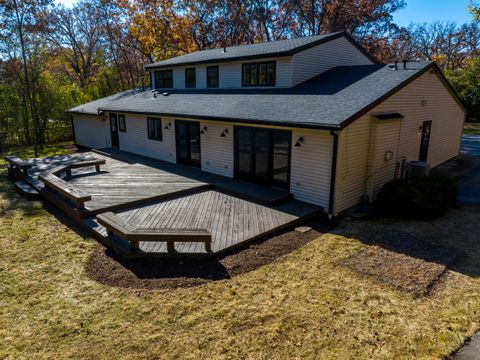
418,11
421,11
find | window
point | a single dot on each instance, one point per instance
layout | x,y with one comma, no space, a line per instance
190,78
212,76
258,74
154,126
164,79
121,123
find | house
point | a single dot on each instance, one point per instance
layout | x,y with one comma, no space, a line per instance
316,116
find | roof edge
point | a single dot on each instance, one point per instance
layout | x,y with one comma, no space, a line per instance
98,113
232,120
292,52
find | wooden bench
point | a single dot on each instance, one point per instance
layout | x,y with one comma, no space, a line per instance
17,164
76,165
65,189
115,225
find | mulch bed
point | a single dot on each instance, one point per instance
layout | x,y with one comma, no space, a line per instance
108,268
404,262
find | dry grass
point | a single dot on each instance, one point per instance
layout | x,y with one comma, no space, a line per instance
304,305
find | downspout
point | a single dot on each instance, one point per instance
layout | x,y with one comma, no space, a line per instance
333,174
73,130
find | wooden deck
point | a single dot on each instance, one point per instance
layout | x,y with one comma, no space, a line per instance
154,195
229,219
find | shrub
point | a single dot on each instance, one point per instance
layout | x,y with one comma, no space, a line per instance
421,198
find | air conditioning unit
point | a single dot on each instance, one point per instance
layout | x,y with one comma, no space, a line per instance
417,169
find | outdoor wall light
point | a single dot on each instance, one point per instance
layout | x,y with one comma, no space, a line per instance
299,141
224,133
168,126
204,129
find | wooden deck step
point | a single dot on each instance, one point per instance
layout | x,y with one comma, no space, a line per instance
25,189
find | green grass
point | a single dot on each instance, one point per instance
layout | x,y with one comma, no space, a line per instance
471,129
306,305
28,152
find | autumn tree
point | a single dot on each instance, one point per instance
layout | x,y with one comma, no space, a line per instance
75,34
22,24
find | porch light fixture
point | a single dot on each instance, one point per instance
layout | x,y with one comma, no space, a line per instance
224,133
168,126
299,141
204,129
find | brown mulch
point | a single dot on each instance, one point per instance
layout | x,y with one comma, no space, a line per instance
108,268
404,262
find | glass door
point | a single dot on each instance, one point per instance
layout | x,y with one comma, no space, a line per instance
281,157
425,141
114,130
263,155
187,136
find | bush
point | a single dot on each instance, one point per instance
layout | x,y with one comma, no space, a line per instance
420,198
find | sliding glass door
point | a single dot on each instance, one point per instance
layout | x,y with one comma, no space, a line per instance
187,137
263,155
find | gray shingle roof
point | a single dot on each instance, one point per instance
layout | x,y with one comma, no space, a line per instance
329,100
266,49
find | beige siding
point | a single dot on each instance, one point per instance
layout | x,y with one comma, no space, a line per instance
135,139
311,166
230,74
387,133
217,151
91,131
425,99
310,163
316,60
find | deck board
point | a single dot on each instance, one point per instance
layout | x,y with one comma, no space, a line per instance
127,178
152,194
221,214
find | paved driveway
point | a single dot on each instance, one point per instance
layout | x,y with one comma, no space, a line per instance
469,184
471,145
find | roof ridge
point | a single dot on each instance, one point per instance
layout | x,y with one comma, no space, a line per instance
271,48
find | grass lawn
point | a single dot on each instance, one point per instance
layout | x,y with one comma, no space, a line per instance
305,305
471,129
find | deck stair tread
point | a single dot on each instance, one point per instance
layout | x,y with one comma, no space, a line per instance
25,188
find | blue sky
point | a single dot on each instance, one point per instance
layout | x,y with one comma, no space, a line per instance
418,11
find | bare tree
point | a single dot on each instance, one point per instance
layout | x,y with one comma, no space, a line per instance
75,34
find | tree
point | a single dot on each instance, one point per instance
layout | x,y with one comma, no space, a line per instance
466,82
75,35
22,23
356,17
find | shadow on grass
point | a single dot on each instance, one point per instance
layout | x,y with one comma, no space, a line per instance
413,256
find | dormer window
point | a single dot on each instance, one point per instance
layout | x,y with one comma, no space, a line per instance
212,77
164,79
259,74
190,78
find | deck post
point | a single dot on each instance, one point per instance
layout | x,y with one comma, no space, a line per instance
135,244
170,246
208,246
